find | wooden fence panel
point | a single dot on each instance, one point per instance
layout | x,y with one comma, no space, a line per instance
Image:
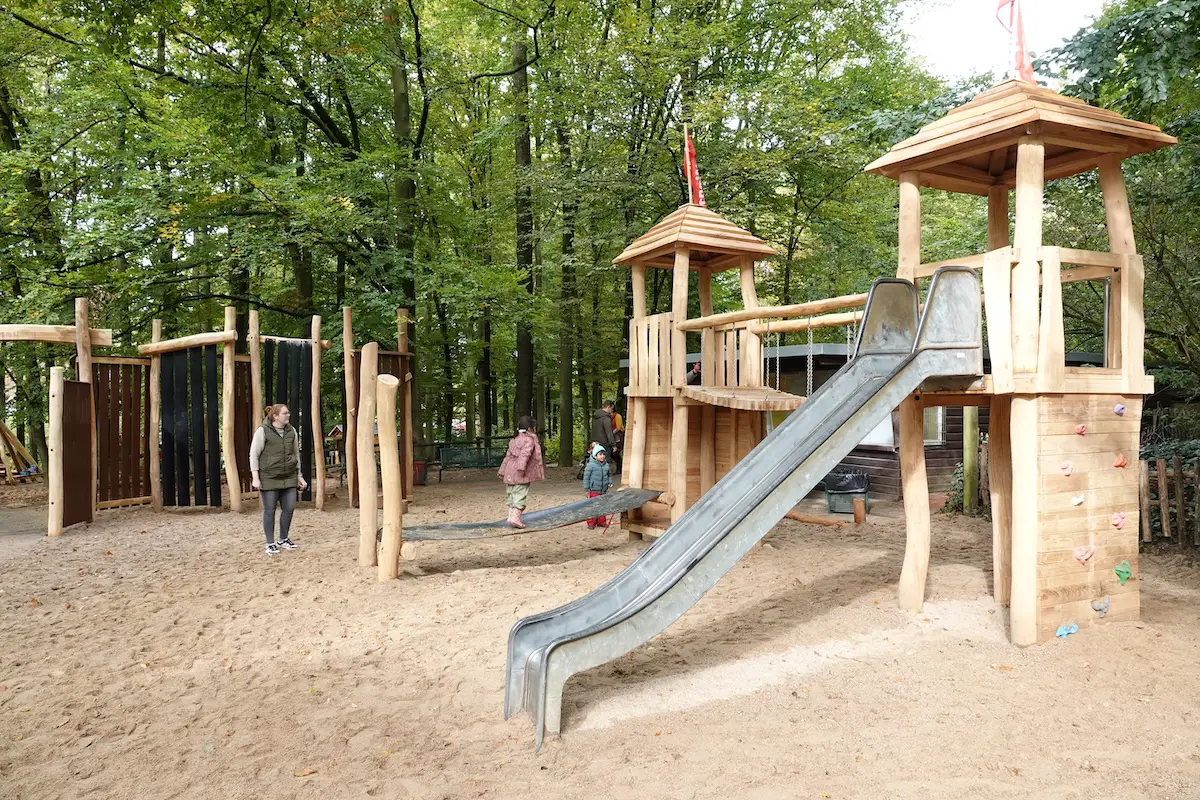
119,391
1170,500
79,474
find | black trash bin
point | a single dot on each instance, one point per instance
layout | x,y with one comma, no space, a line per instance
842,486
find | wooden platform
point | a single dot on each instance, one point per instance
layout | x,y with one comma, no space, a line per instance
759,398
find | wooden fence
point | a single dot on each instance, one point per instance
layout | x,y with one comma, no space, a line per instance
1170,500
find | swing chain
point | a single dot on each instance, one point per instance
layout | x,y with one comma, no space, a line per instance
810,357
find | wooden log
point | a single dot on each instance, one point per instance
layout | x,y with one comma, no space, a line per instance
997,290
1164,497
406,406
8,458
1180,501
1052,352
54,470
814,323
677,484
970,458
639,291
679,308
1026,523
751,340
350,437
119,361
635,455
1196,504
1120,240
1027,237
186,342
809,519
916,505
54,334
254,345
910,225
708,349
314,422
104,505
389,459
1000,483
997,219
83,373
368,488
228,437
154,448
1144,500
783,312
860,510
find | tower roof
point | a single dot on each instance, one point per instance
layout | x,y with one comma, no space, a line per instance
974,146
715,242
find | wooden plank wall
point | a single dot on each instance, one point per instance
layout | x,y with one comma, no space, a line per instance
122,430
1066,589
940,460
247,419
287,379
191,444
737,434
79,474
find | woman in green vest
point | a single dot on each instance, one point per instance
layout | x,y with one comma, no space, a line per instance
275,465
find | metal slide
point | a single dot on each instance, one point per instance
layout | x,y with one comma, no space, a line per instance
895,354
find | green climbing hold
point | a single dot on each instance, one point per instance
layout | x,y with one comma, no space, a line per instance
1123,571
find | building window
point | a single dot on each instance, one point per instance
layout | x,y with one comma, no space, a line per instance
935,425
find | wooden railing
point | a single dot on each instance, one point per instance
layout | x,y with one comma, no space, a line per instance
650,356
1165,486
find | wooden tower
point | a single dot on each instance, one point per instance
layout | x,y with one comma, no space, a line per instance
1064,441
685,437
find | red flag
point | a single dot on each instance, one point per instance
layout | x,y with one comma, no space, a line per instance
1016,31
691,171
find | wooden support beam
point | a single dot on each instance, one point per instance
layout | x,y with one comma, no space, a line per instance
54,470
813,323
708,347
910,225
1027,237
1052,354
679,309
254,345
708,447
54,334
1023,438
154,453
678,469
1120,240
916,505
997,218
389,459
227,412
368,488
318,432
1144,499
970,458
350,438
186,342
406,406
83,374
635,456
1164,498
794,311
752,360
639,291
1000,484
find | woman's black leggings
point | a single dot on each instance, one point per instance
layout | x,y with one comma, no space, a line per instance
286,499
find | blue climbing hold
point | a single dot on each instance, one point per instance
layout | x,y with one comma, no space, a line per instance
1066,630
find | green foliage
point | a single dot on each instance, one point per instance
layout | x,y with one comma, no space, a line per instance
954,502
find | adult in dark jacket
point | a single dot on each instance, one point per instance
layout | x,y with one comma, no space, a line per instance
602,427
275,473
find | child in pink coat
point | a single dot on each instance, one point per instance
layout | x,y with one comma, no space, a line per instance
522,466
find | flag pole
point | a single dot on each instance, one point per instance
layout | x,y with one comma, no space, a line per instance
687,168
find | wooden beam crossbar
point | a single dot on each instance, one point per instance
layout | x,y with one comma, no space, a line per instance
767,312
53,334
187,342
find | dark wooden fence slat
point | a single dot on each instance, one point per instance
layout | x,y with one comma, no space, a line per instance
214,436
307,435
1144,496
268,376
100,377
182,452
1164,501
129,432
79,474
166,451
196,424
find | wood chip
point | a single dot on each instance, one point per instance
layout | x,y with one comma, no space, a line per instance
304,773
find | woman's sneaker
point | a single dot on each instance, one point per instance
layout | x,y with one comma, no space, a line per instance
272,549
288,544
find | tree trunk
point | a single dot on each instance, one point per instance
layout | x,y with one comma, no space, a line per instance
487,386
447,369
568,310
523,208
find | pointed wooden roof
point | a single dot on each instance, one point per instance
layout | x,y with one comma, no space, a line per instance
715,242
974,147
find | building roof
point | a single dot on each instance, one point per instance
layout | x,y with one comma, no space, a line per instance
974,146
713,241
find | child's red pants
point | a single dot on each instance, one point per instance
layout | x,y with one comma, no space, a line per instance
595,520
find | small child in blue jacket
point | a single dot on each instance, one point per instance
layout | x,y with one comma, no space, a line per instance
596,479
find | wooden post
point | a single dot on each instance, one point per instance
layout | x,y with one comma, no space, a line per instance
406,405
1120,240
368,489
912,421
83,374
389,460
1052,348
1000,481
1023,600
635,461
1164,497
1144,498
154,454
54,471
1180,499
860,510
708,448
677,475
970,458
254,346
997,220
1195,501
708,345
318,433
752,360
1027,238
349,434
639,291
227,418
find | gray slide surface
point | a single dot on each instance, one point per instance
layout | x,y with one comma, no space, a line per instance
895,354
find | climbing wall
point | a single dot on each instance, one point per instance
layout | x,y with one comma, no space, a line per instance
1088,511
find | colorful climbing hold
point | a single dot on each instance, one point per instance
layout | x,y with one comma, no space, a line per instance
1123,571
1083,553
1066,630
1118,519
1081,429
1101,606
1120,461
1066,468
1119,409
1077,500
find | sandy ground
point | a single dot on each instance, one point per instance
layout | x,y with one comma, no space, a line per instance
164,655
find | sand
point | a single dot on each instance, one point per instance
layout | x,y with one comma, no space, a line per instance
164,655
